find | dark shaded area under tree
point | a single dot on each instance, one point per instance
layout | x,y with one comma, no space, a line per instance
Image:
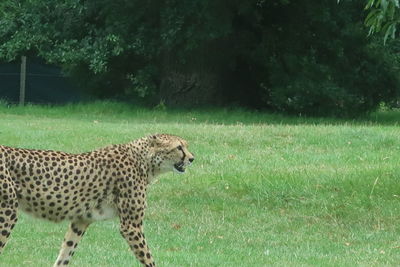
302,57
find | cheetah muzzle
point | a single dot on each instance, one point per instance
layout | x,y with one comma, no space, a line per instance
179,167
88,187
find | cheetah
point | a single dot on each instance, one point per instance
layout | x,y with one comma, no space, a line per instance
88,187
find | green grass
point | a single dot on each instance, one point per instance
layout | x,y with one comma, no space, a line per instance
264,189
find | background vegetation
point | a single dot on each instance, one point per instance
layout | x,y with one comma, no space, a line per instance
264,190
302,57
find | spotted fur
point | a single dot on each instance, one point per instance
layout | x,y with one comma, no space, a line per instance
88,187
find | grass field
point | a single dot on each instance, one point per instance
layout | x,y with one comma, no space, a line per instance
264,189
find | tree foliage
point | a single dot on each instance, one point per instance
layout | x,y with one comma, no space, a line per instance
332,69
307,56
383,17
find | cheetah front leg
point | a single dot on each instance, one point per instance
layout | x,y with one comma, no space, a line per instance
131,218
8,208
71,240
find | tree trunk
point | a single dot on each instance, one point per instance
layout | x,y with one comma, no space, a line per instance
196,82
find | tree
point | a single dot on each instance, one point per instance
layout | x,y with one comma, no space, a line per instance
306,56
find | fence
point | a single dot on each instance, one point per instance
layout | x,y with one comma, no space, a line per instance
43,83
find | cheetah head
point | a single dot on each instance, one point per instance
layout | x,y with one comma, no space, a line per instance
170,153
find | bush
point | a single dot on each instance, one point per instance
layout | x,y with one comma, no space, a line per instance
325,65
334,90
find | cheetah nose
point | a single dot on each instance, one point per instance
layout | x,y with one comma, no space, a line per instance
191,160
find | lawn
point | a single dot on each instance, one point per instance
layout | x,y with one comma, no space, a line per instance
264,189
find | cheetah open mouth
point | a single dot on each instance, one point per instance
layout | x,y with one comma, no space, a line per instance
179,167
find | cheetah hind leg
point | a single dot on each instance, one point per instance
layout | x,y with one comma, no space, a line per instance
71,240
8,209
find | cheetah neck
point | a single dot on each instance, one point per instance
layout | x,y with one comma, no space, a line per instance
142,151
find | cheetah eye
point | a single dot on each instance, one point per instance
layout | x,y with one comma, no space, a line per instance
179,148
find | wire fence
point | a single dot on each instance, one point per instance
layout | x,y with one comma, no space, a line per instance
44,84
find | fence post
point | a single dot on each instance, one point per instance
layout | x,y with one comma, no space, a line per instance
22,81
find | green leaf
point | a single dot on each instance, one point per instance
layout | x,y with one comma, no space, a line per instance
387,29
370,4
